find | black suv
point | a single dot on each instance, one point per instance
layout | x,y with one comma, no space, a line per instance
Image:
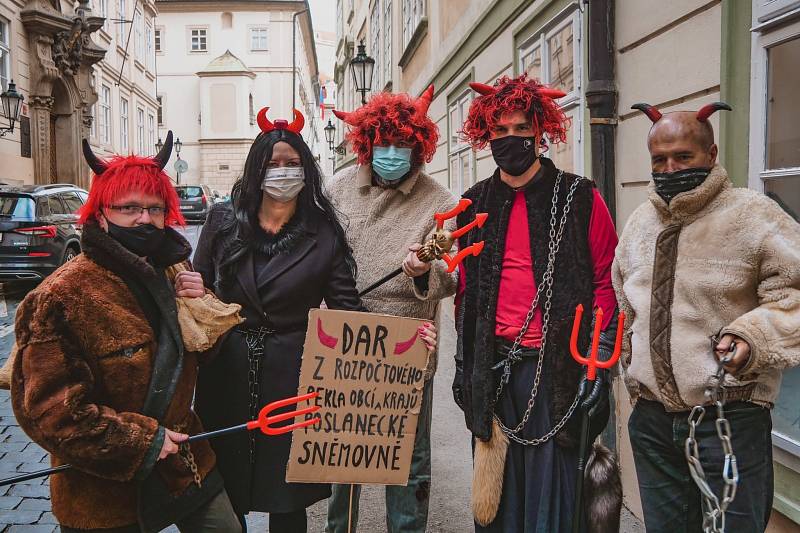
196,201
39,229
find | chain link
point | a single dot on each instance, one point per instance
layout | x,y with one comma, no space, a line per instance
254,338
546,287
186,455
714,509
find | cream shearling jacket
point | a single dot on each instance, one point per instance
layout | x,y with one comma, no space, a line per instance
716,260
380,225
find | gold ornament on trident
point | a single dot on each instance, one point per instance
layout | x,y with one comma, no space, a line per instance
442,241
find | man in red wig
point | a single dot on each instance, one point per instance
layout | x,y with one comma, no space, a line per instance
388,203
102,380
710,275
549,245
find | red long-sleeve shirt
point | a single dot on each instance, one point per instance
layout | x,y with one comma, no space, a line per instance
518,286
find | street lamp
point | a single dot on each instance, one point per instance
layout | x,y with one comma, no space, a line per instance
12,105
362,66
330,131
178,146
159,145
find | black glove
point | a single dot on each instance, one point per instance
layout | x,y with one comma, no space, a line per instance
594,394
458,385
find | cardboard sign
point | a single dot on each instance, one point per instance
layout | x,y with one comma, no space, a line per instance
368,370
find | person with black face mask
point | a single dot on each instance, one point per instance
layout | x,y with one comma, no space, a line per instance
277,249
549,244
103,379
703,260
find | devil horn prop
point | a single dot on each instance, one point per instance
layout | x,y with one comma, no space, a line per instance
343,116
708,110
652,113
424,101
97,166
555,94
162,158
482,88
297,124
263,122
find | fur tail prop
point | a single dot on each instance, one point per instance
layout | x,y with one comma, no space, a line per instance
602,491
487,476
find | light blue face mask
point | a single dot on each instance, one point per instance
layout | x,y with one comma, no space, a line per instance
390,162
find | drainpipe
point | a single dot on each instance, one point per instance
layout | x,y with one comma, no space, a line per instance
601,98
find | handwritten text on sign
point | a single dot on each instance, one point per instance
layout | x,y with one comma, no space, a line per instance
368,370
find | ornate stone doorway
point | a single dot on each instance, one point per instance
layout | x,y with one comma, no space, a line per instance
62,59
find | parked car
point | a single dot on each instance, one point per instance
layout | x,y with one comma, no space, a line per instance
196,201
39,229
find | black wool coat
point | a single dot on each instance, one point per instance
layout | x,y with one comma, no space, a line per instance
279,296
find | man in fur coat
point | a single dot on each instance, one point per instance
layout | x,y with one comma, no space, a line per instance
102,380
549,244
704,271
388,203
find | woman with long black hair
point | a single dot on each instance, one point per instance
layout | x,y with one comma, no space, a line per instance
278,250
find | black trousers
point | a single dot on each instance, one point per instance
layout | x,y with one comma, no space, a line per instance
670,499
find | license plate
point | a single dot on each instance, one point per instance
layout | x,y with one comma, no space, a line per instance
186,208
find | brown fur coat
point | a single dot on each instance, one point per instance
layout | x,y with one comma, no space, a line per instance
86,356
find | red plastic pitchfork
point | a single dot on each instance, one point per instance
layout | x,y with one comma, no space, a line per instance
264,422
592,364
441,242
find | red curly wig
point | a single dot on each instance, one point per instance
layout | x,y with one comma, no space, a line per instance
125,174
515,94
392,118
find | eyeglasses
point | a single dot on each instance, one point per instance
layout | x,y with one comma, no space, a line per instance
136,210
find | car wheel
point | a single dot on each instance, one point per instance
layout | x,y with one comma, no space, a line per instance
70,254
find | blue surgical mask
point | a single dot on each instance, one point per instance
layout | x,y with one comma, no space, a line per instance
390,162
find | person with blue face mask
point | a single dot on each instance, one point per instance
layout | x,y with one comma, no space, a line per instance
389,202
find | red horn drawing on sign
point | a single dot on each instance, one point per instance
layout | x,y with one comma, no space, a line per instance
402,347
325,339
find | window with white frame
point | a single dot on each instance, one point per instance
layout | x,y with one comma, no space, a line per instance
461,155
123,124
138,36
199,40
140,130
122,27
102,11
258,39
160,110
93,128
387,41
5,53
375,44
774,161
413,11
148,37
157,44
553,56
105,114
339,22
151,133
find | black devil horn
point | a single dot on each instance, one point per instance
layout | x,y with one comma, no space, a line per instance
162,158
97,166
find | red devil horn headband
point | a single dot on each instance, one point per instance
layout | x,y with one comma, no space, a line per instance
343,116
99,166
486,90
267,126
424,101
652,113
708,110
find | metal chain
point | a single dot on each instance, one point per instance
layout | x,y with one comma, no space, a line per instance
188,459
714,509
546,287
254,338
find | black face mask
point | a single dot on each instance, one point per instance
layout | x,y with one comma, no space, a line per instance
514,155
670,184
143,240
